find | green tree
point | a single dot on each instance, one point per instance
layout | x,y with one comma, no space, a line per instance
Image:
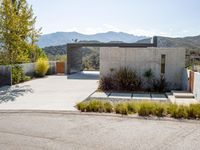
37,53
18,35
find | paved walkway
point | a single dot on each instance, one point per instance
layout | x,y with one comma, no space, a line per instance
50,93
24,131
129,96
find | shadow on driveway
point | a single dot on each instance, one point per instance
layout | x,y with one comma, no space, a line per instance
8,93
84,75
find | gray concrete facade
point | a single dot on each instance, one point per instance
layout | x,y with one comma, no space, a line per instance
74,60
74,52
143,59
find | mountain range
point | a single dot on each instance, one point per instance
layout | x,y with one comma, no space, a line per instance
56,43
192,42
62,38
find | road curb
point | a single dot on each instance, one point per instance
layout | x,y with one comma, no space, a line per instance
61,112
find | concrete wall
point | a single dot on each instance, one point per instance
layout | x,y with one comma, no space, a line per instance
52,68
5,75
142,59
197,85
185,80
29,70
74,60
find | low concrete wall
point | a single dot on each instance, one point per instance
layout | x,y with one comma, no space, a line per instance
29,70
197,85
143,59
52,68
5,75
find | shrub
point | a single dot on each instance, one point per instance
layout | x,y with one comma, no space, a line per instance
146,109
95,106
126,79
172,109
194,111
108,107
82,106
133,107
42,66
178,112
148,76
159,85
121,108
106,83
182,112
18,75
161,110
152,108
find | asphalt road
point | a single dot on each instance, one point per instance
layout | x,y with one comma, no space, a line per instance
38,131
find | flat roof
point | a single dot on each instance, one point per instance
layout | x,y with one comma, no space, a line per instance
100,44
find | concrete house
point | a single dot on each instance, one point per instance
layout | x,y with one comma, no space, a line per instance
140,57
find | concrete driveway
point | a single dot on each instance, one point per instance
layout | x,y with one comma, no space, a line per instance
49,93
39,131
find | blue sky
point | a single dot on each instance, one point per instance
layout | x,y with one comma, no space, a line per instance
175,18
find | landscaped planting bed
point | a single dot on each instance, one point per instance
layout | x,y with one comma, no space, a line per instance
128,80
40,70
142,108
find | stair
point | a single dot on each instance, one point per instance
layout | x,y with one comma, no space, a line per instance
182,97
183,94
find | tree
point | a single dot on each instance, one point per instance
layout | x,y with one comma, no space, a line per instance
18,35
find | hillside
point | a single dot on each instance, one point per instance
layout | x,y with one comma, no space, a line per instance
62,38
192,43
187,42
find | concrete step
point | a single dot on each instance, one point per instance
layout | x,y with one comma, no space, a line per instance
183,95
181,100
184,101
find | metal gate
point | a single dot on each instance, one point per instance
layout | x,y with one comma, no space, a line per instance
60,67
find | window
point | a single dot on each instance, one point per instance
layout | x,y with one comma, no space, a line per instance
163,59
